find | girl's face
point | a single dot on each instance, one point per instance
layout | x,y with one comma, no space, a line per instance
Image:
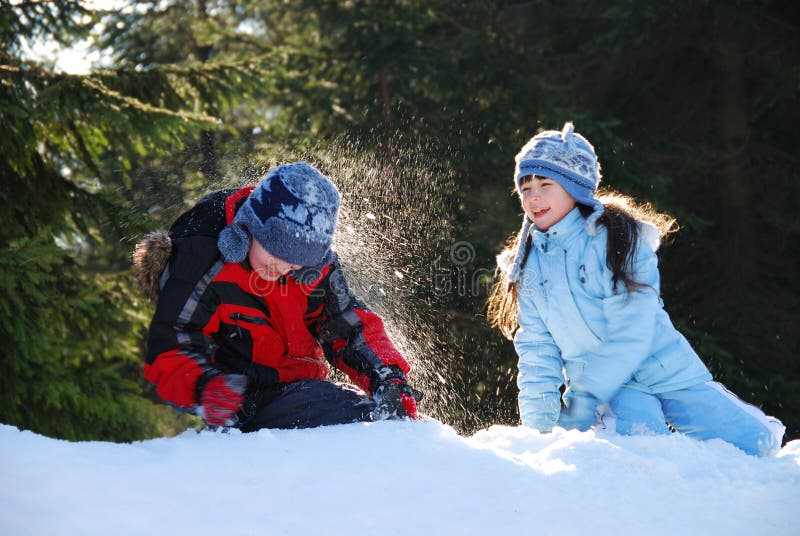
545,201
267,266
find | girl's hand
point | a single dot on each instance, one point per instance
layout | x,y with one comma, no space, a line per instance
542,412
580,411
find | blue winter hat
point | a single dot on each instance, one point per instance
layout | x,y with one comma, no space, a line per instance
569,159
292,213
566,157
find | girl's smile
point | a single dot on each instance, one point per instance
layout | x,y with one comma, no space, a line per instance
544,201
537,212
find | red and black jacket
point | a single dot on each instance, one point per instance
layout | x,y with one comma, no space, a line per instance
214,317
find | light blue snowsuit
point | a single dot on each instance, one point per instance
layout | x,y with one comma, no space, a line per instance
616,349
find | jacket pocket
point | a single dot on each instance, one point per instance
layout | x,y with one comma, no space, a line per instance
241,317
651,372
573,369
240,324
252,335
300,367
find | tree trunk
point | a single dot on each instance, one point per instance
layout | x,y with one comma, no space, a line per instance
208,164
386,99
737,221
208,151
386,115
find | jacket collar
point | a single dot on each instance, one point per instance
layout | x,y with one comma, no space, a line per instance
234,201
561,233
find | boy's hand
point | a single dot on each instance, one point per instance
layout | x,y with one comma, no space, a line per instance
394,397
222,397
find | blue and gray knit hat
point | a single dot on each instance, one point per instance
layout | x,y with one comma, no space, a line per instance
292,213
569,159
566,157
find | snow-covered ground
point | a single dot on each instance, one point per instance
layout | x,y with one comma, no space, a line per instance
402,478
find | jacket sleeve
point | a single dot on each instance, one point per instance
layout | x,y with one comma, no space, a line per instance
354,337
179,352
540,376
630,319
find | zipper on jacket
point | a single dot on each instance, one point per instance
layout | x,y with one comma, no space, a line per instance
236,317
249,318
307,359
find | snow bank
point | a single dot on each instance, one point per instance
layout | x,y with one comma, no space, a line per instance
399,478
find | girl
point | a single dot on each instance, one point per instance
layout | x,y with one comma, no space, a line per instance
579,296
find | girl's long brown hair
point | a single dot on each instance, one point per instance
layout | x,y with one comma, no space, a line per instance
620,219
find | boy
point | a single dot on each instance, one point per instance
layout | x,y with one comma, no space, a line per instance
252,306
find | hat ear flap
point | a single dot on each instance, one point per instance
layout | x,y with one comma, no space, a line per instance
519,258
234,242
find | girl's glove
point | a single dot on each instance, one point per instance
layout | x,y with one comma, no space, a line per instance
542,412
580,410
222,397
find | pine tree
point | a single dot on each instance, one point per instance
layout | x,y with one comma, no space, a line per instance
72,321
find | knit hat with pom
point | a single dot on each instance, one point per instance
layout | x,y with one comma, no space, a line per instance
569,159
292,213
566,157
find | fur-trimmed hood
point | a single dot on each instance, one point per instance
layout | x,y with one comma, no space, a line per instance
149,259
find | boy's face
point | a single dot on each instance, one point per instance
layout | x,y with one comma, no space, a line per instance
267,266
545,201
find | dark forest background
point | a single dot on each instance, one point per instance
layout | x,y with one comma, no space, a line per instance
416,109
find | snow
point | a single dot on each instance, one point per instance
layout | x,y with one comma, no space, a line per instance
404,478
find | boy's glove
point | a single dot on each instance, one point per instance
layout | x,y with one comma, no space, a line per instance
393,396
222,397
